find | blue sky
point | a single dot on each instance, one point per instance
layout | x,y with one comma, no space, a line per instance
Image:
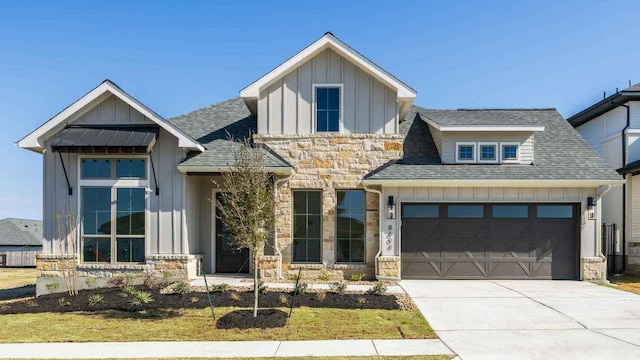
179,56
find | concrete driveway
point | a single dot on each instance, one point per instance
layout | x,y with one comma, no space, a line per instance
508,319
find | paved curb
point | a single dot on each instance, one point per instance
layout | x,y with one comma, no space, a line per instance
171,349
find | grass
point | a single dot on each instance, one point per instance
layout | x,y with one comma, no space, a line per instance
420,357
630,283
197,325
11,278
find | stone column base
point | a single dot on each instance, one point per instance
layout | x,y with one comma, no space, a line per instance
389,267
268,267
50,269
594,268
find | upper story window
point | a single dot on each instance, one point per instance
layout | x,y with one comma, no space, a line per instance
465,152
488,152
113,169
328,108
510,152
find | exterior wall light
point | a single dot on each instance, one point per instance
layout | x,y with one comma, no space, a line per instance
591,207
391,208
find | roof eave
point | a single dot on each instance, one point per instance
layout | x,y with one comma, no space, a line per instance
492,182
602,107
188,169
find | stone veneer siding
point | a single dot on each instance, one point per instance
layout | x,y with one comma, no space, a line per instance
49,268
329,162
633,257
594,268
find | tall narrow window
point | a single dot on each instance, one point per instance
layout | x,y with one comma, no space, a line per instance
130,224
96,224
327,109
307,230
350,221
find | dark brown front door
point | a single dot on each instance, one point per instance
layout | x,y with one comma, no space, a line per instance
489,241
228,258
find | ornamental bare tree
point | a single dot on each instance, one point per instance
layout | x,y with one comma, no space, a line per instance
67,222
247,205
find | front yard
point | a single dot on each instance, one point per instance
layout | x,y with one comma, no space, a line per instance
174,317
630,283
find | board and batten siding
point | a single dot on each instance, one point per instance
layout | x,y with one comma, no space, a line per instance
166,232
436,135
113,111
390,228
449,140
286,106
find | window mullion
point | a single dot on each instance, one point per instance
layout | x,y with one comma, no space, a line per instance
114,254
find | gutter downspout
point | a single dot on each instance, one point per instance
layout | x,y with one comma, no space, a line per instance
380,213
624,191
275,229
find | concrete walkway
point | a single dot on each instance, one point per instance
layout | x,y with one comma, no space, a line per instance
223,349
530,319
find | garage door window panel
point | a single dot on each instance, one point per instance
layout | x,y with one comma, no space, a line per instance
465,211
510,211
554,211
412,211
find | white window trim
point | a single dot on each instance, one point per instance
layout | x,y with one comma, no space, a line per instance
490,161
314,129
510,161
114,184
460,161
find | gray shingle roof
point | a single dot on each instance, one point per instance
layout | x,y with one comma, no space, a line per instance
212,125
495,117
20,232
560,153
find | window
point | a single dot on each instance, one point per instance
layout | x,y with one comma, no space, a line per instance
307,231
488,152
466,211
107,229
466,152
127,168
410,211
554,211
327,109
350,221
510,152
113,209
510,211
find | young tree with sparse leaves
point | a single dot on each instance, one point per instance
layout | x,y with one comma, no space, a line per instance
247,206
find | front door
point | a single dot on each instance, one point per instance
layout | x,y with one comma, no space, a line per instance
228,259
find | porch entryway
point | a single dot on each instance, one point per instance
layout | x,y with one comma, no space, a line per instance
228,259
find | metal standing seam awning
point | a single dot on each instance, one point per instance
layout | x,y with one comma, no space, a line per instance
107,139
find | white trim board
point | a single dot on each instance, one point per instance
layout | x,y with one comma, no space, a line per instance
35,140
472,128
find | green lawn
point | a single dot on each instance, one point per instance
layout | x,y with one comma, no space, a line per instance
197,325
11,278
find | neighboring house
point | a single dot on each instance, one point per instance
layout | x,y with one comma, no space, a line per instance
612,127
365,181
20,235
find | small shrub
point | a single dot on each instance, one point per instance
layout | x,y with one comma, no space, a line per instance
152,282
129,290
321,295
118,281
324,276
300,288
357,277
378,289
283,299
53,287
141,297
91,283
294,277
194,299
63,302
129,278
95,299
234,296
220,287
166,274
182,288
362,301
338,287
262,288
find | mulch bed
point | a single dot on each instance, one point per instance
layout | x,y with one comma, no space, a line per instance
115,299
243,319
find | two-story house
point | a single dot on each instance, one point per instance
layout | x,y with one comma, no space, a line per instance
366,181
612,127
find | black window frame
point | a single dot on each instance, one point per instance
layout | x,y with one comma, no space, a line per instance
350,239
307,238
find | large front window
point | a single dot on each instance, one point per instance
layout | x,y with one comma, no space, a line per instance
350,220
307,230
113,210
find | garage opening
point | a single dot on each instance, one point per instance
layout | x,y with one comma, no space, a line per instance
489,241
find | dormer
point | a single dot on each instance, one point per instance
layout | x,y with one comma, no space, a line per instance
328,87
483,136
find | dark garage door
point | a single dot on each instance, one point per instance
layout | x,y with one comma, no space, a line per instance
489,241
